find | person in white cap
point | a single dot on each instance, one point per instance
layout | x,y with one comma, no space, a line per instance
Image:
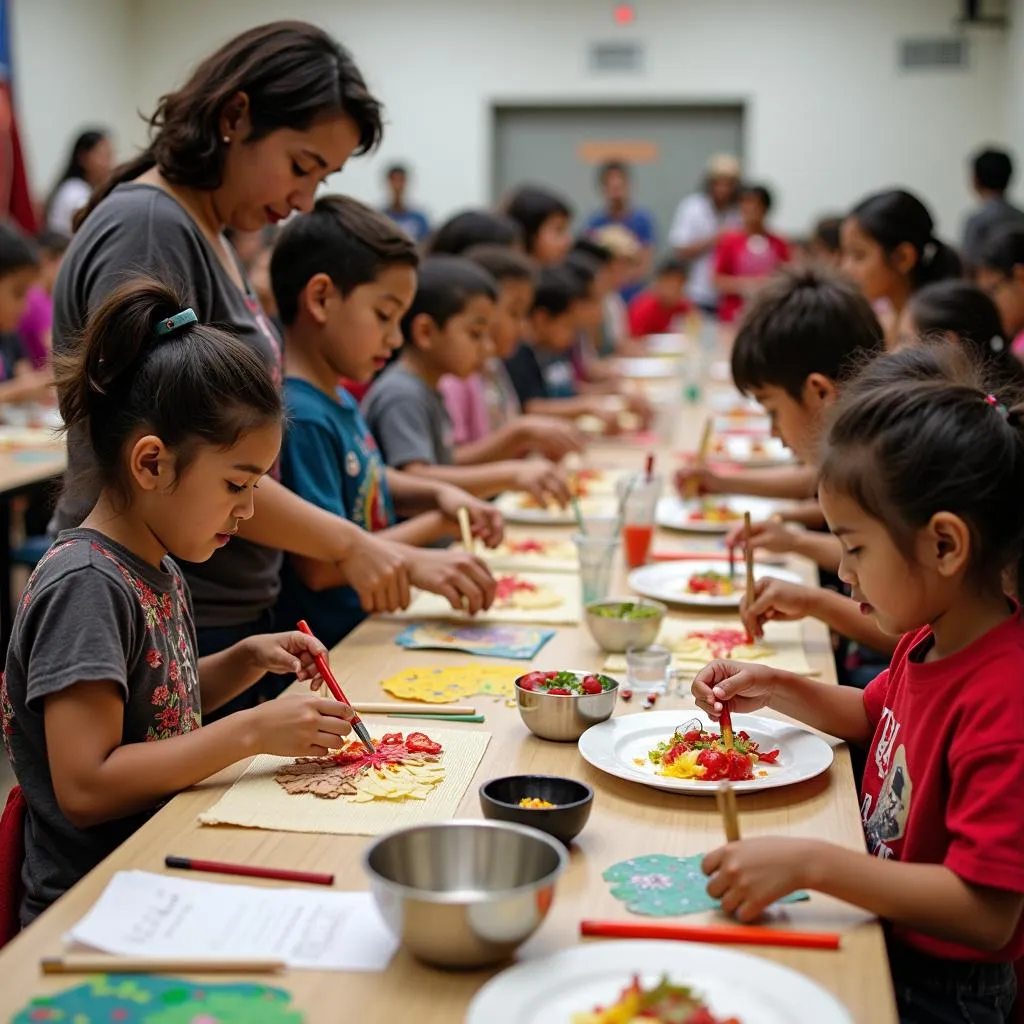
699,221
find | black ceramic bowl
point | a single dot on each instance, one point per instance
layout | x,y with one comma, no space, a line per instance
499,799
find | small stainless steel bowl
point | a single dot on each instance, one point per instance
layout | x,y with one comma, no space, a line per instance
564,718
617,635
464,894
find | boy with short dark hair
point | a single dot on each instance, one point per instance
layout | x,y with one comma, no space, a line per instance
805,334
991,173
343,276
540,368
655,309
447,331
488,421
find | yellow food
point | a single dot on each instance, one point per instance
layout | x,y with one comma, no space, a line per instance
532,803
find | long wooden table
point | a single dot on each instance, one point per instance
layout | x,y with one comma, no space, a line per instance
628,820
20,469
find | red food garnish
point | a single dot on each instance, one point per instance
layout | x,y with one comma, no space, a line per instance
770,758
591,684
524,547
532,680
560,691
507,586
421,743
626,695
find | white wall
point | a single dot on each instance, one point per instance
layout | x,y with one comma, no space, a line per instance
1014,117
829,115
72,70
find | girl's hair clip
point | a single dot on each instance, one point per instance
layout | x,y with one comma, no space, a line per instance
176,323
998,406
929,252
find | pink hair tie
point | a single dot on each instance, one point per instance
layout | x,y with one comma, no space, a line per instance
998,406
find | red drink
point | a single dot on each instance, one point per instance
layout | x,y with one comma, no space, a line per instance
636,538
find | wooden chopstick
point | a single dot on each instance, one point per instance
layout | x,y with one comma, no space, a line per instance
465,529
725,797
748,549
693,486
411,708
99,964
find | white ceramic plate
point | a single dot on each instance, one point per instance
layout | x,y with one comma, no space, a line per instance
674,512
509,504
751,451
752,989
649,366
669,581
616,745
665,344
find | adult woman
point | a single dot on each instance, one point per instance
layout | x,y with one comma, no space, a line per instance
88,166
249,137
698,224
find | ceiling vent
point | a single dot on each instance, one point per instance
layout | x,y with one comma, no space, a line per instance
933,54
618,57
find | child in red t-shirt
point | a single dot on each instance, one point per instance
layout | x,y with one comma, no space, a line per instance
921,481
654,309
745,258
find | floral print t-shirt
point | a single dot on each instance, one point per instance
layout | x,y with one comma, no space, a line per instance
92,611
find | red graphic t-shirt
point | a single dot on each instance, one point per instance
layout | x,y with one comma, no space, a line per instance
943,782
742,255
648,315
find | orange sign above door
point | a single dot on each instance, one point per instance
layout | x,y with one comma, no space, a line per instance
630,151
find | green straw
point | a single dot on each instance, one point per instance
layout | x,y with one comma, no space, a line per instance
442,718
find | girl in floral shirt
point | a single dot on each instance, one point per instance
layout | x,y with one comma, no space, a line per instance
103,694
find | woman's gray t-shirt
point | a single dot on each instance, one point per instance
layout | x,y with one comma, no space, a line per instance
141,230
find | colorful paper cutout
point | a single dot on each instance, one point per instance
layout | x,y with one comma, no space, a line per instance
157,999
494,641
436,684
662,886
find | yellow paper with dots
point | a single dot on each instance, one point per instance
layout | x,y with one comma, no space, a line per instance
436,684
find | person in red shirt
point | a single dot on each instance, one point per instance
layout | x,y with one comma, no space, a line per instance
925,548
656,307
744,259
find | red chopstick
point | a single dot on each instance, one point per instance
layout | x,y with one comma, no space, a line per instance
748,935
248,870
339,694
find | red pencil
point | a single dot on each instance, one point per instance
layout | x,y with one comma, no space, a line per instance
339,694
250,871
748,935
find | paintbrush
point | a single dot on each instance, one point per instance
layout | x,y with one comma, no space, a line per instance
339,694
748,549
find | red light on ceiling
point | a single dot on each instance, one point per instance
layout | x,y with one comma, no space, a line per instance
624,14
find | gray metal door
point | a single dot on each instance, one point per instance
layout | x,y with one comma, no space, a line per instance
562,146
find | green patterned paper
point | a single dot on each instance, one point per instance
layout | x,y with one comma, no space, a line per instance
157,999
662,886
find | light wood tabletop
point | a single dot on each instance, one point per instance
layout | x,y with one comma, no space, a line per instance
628,820
23,467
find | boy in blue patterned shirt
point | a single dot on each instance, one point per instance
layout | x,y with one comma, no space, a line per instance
343,276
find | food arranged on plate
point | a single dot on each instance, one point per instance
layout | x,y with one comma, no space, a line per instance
531,549
693,752
714,512
712,583
566,684
512,591
661,1003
